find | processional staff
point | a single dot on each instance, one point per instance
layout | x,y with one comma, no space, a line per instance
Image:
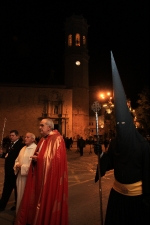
1,143
96,108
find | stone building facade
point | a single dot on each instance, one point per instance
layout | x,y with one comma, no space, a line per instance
23,107
69,106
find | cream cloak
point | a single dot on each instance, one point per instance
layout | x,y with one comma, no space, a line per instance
24,160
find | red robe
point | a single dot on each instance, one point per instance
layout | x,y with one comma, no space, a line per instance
45,200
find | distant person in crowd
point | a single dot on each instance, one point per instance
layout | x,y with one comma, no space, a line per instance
6,142
71,141
9,177
81,145
37,139
45,198
22,163
68,142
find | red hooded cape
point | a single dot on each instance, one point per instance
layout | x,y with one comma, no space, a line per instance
45,200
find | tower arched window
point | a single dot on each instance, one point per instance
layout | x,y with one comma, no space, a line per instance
77,39
70,40
84,40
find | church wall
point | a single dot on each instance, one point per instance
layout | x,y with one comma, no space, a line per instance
80,111
23,107
80,123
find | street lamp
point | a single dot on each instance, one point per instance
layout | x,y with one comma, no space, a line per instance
105,95
108,108
96,108
107,105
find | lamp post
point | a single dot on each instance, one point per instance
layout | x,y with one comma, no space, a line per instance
96,108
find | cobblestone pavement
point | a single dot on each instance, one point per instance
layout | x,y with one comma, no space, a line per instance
84,197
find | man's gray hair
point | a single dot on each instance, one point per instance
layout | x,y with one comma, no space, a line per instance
32,135
50,123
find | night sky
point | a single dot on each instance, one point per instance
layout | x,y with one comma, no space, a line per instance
34,40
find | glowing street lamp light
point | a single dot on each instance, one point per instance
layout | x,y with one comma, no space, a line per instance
109,105
104,95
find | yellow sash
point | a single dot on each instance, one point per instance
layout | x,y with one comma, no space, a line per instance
128,189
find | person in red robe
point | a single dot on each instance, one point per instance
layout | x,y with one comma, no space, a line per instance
45,199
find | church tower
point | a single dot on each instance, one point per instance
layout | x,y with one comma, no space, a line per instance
76,72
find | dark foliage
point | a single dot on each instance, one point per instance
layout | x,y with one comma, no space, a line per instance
143,109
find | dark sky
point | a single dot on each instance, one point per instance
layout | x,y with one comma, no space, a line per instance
33,41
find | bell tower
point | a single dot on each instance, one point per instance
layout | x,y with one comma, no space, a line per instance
76,71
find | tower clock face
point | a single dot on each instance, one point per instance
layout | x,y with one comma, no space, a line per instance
78,63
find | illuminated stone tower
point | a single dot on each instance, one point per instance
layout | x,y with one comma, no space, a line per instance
76,72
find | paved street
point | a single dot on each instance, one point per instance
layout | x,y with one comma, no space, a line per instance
84,201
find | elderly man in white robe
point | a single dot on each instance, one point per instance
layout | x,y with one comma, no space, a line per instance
22,164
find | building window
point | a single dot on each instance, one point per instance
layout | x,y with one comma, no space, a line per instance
70,40
77,40
84,40
55,109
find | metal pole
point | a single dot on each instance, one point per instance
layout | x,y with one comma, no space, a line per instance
3,131
96,107
1,144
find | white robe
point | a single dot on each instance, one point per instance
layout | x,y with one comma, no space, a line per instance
24,160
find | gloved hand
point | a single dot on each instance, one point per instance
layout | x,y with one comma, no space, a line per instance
97,148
